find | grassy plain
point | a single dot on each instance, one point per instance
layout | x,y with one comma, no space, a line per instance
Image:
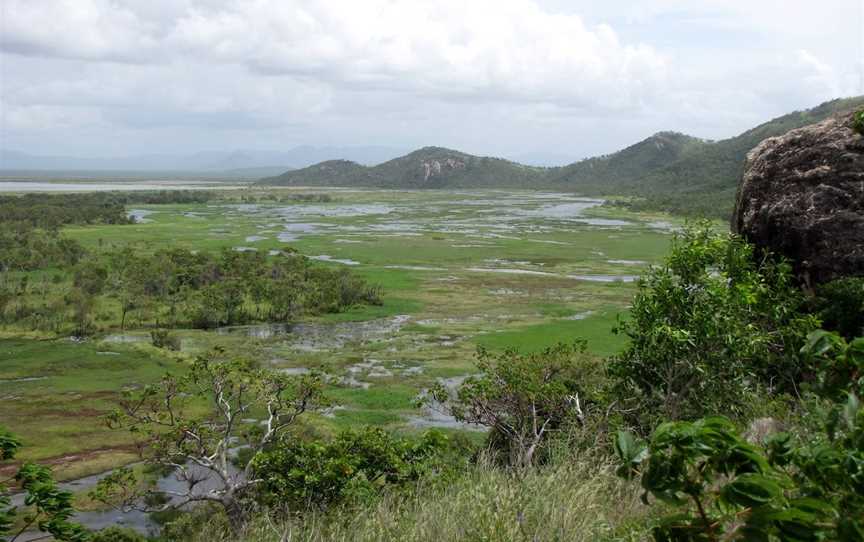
458,270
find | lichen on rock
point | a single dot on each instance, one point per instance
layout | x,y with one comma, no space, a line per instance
802,196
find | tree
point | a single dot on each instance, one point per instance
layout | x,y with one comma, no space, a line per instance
707,328
50,508
201,449
525,398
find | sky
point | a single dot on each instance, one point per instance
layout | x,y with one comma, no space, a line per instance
512,78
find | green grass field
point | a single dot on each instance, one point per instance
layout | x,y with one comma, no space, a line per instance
458,270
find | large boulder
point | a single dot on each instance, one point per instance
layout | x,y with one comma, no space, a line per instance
802,196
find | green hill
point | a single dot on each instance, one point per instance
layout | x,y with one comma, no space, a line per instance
668,171
429,167
698,177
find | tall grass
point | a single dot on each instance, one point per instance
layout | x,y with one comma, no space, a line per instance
572,501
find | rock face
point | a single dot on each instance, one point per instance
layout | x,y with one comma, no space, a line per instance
802,196
431,168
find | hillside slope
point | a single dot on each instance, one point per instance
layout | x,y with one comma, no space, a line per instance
701,179
429,167
668,171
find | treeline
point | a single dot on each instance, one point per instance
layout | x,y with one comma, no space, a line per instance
29,223
179,288
50,211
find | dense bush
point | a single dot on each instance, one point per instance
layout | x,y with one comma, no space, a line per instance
708,329
525,399
858,122
117,534
840,306
722,487
357,464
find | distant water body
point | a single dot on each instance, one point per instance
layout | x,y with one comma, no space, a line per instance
21,186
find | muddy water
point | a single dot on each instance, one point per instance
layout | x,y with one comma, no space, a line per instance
314,336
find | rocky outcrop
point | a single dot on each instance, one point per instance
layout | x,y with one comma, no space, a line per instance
802,196
431,168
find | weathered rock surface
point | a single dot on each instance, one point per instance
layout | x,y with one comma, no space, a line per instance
431,168
802,196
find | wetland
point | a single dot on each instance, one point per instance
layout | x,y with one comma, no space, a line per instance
456,271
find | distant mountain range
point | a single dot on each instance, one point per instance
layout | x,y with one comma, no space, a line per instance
272,161
671,171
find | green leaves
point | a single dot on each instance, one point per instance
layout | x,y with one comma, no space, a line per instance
858,122
722,485
356,464
48,508
752,490
707,330
631,452
9,445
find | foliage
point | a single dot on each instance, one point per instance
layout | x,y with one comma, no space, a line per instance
49,508
707,329
182,288
858,122
577,500
840,306
357,463
524,398
23,248
162,338
117,534
724,487
200,447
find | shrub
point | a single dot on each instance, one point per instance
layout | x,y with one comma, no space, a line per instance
707,329
354,466
162,338
840,306
117,534
858,122
722,487
525,398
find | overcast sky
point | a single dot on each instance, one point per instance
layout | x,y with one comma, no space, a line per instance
497,77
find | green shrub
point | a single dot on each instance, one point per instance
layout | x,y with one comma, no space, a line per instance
722,487
840,306
117,534
707,330
162,338
525,399
354,466
858,122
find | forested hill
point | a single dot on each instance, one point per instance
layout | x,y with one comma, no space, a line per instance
429,167
685,175
669,170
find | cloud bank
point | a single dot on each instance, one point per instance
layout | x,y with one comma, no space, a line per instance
489,75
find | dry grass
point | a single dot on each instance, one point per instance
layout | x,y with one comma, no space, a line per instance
574,501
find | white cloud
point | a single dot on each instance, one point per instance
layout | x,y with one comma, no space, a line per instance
479,74
488,49
82,29
507,49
